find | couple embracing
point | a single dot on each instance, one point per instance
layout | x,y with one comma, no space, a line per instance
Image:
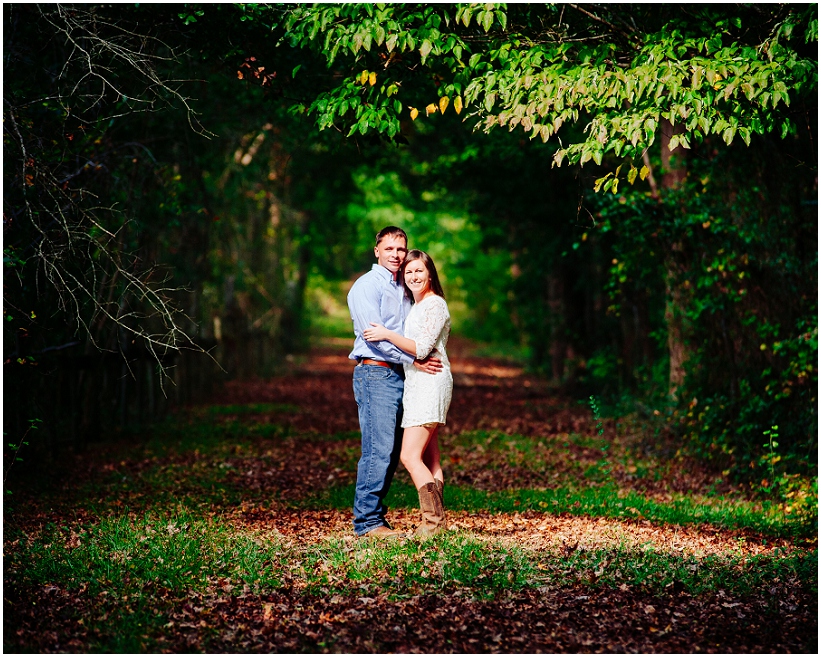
402,381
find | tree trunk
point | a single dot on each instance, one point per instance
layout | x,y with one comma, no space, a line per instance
555,304
674,318
674,173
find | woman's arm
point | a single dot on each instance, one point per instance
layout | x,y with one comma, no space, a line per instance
378,332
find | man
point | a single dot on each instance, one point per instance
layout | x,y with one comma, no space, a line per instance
379,379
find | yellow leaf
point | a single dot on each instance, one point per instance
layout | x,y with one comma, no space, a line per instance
443,103
363,77
644,172
372,78
457,104
430,109
414,113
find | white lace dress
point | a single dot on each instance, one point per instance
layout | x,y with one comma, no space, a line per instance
427,396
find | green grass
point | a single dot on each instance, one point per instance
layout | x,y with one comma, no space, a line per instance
168,475
177,551
601,501
158,538
179,435
136,568
331,326
592,494
441,563
656,572
513,353
551,455
133,570
137,556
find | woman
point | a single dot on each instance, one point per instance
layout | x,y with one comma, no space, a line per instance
427,396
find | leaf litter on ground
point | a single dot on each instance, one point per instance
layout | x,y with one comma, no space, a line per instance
272,444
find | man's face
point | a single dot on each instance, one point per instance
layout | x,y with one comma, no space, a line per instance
390,252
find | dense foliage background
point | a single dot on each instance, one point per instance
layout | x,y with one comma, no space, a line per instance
173,213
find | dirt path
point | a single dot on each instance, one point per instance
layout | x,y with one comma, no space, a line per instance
492,401
324,379
489,396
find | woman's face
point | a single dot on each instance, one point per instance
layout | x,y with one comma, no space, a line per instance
417,277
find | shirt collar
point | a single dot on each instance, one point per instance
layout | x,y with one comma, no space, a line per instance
385,273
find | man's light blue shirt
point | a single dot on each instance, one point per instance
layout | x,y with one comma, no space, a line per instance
377,297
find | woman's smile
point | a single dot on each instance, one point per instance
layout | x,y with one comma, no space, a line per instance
417,278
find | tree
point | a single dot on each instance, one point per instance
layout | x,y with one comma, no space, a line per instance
393,91
729,70
88,72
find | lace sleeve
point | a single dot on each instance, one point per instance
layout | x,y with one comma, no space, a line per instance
434,316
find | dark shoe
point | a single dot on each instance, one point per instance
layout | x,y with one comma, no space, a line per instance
433,514
382,532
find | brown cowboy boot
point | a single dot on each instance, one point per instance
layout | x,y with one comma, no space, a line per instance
433,515
440,490
383,532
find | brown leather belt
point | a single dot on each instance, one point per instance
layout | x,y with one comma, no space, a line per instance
381,363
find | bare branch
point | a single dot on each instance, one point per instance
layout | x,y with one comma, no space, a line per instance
616,29
80,28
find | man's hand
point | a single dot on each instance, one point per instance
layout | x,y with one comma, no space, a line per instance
430,365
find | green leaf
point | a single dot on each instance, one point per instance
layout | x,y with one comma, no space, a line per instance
487,20
598,184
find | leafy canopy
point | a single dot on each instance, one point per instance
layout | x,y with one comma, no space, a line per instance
728,70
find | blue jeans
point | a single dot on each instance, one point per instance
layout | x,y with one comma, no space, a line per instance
378,394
